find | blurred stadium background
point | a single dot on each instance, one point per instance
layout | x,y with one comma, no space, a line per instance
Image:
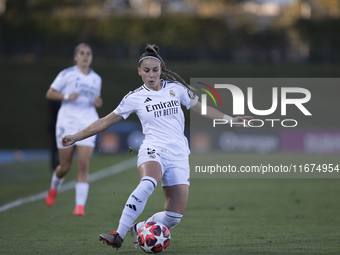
220,38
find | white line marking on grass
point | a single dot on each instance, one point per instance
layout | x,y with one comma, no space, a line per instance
120,167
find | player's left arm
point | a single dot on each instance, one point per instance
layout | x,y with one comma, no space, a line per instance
98,102
96,127
213,113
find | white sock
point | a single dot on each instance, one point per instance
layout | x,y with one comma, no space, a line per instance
82,190
135,204
169,219
56,182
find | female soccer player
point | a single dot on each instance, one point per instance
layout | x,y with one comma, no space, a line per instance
164,152
78,87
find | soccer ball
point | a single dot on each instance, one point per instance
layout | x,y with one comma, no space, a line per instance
153,237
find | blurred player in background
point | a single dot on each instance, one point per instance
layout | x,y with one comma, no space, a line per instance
163,156
79,88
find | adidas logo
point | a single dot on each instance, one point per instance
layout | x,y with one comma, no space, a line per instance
131,206
148,99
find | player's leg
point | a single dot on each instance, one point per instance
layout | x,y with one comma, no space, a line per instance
176,181
82,182
150,173
83,162
176,199
65,159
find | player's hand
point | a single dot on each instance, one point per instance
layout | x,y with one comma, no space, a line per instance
98,102
241,121
68,140
73,96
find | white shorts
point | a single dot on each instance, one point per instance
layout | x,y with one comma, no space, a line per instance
174,172
61,131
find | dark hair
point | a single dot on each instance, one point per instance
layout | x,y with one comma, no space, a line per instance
151,50
76,49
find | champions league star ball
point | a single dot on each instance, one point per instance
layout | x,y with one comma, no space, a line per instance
153,237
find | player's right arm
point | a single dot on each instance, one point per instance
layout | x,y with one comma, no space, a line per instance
96,127
52,94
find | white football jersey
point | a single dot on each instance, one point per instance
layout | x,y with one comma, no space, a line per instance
81,111
161,116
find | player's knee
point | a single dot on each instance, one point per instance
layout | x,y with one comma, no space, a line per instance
83,165
172,219
64,168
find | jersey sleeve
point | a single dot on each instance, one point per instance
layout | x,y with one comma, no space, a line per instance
188,98
59,82
125,108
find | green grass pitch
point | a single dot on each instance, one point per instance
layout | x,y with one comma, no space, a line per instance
224,216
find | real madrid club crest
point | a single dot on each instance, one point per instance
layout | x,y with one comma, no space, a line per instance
152,156
172,93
